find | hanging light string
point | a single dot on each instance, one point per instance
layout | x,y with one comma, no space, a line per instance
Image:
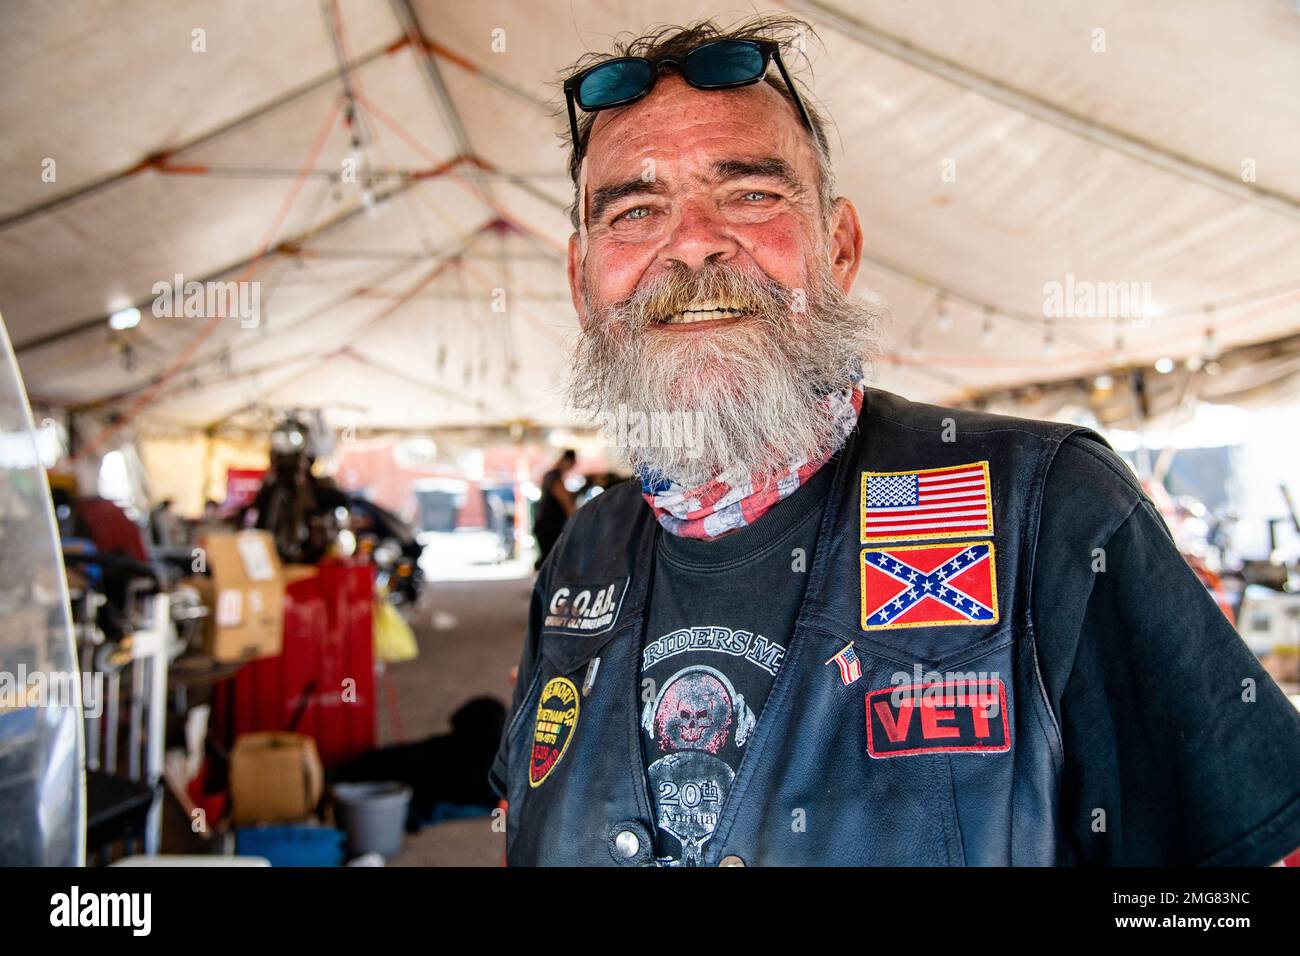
951,293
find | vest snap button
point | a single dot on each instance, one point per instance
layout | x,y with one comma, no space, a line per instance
731,860
627,844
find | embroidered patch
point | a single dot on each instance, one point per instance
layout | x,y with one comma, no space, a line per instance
952,502
948,717
929,585
557,716
584,609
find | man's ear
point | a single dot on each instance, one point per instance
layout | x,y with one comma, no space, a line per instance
846,244
575,280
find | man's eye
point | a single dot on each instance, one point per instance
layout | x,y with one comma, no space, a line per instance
640,212
756,196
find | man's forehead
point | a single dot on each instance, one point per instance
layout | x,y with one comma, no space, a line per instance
679,125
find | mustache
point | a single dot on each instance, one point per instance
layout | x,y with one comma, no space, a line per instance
680,288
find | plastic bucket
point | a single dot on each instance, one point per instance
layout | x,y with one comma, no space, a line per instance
373,815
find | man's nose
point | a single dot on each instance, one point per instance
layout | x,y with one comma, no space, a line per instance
700,237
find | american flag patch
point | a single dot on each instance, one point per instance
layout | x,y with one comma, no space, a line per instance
929,585
930,503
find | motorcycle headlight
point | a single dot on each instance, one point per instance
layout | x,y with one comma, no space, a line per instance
287,441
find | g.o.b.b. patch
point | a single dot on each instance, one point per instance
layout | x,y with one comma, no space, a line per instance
557,717
584,608
950,502
929,585
947,717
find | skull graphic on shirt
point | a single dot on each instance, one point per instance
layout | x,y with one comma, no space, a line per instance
694,714
697,715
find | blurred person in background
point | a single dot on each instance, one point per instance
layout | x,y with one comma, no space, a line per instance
555,506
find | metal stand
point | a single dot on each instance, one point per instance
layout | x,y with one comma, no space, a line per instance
145,654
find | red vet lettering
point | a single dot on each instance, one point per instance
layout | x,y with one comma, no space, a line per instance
979,712
896,731
931,729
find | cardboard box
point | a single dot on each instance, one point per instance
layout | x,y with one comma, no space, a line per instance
244,594
275,777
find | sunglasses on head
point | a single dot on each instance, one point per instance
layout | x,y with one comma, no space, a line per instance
713,65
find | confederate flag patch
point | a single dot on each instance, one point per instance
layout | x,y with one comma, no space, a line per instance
929,586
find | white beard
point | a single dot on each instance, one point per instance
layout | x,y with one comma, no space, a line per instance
750,392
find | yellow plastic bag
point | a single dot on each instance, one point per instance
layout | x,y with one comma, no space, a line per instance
394,639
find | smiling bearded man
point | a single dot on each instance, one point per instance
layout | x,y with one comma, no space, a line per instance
840,627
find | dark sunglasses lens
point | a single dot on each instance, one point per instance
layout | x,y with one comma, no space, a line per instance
614,82
724,63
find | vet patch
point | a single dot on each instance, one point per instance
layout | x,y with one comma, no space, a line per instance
953,502
557,717
584,609
950,717
929,585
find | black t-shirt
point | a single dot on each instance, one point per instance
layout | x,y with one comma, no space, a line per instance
1179,749
720,619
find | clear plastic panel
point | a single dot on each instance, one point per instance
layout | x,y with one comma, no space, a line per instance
42,780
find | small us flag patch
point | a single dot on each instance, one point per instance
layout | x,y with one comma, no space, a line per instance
929,503
929,585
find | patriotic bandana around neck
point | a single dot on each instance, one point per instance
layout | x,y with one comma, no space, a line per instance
734,500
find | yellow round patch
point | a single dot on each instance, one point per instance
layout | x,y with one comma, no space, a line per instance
557,717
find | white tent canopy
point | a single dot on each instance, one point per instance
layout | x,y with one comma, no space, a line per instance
992,148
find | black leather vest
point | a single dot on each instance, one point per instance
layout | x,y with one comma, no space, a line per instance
943,751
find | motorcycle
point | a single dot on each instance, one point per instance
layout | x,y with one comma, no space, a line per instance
391,545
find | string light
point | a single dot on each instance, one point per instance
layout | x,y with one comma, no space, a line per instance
124,319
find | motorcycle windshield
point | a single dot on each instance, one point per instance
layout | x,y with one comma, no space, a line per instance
42,780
